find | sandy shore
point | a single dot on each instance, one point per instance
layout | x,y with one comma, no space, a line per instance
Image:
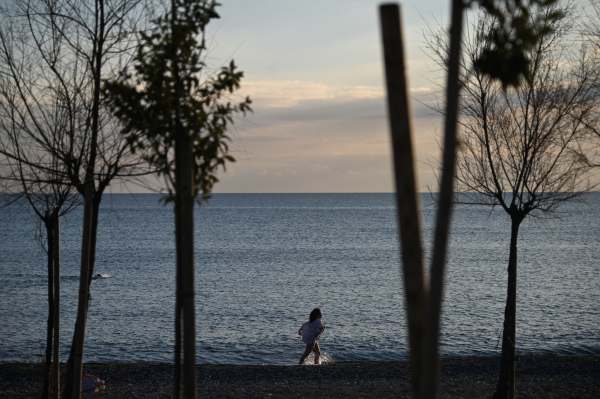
464,377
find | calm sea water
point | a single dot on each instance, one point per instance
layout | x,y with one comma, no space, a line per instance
264,261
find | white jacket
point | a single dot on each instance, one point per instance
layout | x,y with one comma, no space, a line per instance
311,331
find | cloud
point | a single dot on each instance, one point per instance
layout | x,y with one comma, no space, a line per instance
312,137
326,109
285,94
275,102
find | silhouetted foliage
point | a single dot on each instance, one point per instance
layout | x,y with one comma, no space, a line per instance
517,26
146,100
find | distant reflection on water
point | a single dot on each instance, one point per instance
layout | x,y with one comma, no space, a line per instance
264,261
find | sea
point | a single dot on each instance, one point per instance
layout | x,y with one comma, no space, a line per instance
264,261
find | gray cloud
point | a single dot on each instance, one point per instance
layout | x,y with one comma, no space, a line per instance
322,110
333,109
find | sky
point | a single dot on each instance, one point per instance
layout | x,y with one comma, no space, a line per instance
314,72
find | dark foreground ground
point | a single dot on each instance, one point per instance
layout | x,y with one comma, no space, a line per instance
464,377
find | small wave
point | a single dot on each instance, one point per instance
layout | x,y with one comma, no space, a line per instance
102,276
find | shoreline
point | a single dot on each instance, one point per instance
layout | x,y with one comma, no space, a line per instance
537,376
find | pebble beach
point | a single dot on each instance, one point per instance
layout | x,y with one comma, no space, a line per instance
461,377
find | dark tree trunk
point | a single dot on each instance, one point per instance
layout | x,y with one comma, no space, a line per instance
185,274
56,368
48,223
73,390
506,383
184,232
177,377
68,391
90,223
94,238
185,260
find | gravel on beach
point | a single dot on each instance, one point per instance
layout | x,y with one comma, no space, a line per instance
460,377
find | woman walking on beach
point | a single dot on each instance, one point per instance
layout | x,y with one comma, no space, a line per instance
310,332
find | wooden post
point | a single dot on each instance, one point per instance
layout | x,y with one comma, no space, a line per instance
430,351
423,306
56,360
415,287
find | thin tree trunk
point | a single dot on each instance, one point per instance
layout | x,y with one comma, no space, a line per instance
184,227
185,261
48,362
56,363
82,306
430,349
68,388
94,239
506,383
177,382
90,202
178,333
179,199
415,287
187,278
68,393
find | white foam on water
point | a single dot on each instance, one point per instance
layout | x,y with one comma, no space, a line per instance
99,275
326,358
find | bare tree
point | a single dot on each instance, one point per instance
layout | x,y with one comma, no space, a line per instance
59,52
523,150
50,199
591,32
29,125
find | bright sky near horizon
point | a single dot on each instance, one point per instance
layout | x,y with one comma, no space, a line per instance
314,72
